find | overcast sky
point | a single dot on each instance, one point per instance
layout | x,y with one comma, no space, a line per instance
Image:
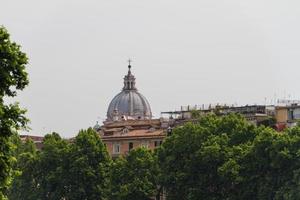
183,52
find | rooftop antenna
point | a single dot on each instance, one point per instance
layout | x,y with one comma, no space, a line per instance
265,100
284,94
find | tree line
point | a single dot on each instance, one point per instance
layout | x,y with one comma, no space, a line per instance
81,169
212,158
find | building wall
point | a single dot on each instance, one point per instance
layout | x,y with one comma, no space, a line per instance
124,145
281,115
296,113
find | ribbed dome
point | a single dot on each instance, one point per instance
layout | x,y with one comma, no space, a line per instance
129,104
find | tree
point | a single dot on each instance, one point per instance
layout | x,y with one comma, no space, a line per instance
42,173
88,170
195,114
135,177
13,77
76,169
51,168
24,185
269,122
227,158
203,160
291,189
272,165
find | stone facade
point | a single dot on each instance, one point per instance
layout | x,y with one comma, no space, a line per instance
122,136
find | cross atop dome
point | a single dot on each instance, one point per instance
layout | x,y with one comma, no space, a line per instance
129,62
129,66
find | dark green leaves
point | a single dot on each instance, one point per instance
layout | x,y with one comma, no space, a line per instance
12,64
13,77
135,177
227,158
64,169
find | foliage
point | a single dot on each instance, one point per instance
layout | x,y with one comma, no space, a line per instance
51,167
12,78
212,158
200,160
195,114
135,177
227,158
89,164
41,171
63,170
271,164
24,187
269,122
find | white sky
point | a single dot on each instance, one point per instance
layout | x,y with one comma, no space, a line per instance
184,52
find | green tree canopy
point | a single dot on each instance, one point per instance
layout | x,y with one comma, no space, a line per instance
42,172
70,170
88,170
272,165
24,185
13,77
51,169
212,158
227,158
135,177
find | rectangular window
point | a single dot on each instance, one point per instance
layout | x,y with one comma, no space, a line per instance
145,144
157,143
130,146
116,148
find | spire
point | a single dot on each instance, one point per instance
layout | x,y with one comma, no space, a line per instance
129,66
129,79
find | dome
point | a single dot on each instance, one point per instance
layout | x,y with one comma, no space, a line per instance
129,103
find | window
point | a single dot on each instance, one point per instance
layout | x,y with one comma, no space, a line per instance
130,146
116,148
125,130
157,143
145,144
